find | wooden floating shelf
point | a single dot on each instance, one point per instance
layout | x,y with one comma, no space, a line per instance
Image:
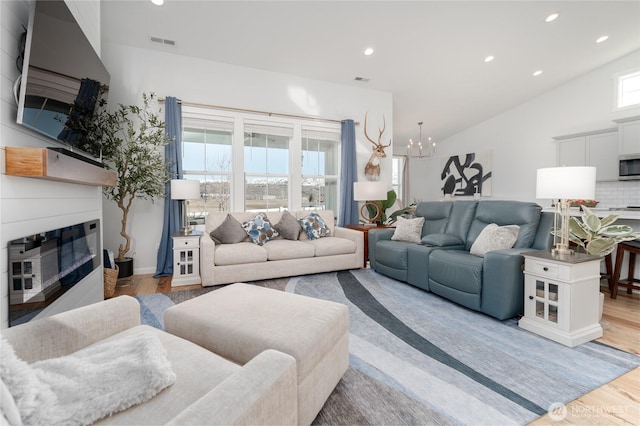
45,163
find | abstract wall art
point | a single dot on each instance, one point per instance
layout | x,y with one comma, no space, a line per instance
467,174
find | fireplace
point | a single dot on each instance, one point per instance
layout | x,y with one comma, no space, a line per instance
43,267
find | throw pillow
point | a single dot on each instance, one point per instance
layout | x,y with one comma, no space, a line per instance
408,230
288,226
314,226
494,237
230,231
260,229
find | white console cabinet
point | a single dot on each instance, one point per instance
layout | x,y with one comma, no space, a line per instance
186,259
562,297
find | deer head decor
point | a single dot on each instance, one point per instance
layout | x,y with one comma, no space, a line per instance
372,169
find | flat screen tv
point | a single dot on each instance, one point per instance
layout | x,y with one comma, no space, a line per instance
63,78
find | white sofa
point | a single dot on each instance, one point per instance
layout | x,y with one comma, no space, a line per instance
208,389
247,261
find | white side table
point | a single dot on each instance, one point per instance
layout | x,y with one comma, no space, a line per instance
186,258
561,297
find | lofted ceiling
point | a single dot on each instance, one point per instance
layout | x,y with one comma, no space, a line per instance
428,54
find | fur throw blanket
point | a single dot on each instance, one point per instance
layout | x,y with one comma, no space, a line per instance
85,386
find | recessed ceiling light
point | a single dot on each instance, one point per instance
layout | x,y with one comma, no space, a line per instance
602,38
157,2
368,51
537,73
551,17
489,58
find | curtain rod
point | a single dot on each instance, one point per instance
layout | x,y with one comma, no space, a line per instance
253,111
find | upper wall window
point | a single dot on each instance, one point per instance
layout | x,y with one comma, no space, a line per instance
628,90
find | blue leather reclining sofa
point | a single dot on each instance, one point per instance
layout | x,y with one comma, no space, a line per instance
442,264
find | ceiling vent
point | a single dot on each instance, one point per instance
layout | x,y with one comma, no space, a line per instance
161,40
362,79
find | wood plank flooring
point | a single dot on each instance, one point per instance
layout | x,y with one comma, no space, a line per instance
615,403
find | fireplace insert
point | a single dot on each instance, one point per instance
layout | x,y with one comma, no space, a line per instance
43,267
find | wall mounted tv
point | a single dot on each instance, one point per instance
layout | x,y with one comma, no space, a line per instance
63,78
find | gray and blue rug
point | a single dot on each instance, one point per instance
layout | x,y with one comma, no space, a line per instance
416,358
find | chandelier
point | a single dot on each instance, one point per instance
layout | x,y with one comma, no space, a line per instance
423,152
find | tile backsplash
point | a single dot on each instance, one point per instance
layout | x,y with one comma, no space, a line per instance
618,194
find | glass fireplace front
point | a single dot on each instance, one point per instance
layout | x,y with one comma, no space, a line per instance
42,267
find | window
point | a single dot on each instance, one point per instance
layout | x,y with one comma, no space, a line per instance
207,157
250,162
397,174
266,167
628,90
320,154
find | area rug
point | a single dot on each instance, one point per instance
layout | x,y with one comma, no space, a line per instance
416,358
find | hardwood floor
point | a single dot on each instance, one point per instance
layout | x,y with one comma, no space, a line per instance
616,403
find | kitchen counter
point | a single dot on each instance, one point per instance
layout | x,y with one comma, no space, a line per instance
603,212
622,214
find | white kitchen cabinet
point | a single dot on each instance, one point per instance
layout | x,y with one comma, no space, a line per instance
629,136
572,152
598,148
602,152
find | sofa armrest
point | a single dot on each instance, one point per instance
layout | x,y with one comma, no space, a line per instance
503,283
353,235
376,235
443,240
207,258
67,332
263,392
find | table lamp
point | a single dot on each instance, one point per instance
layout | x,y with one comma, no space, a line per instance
563,184
368,191
183,189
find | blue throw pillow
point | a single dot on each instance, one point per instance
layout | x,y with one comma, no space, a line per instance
260,229
314,226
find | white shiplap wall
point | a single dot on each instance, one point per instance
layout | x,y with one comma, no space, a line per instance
29,206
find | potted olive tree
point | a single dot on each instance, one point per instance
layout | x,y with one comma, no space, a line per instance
131,140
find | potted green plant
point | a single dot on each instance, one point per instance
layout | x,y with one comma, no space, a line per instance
132,137
383,205
598,237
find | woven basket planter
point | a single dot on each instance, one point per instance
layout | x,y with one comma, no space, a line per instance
110,280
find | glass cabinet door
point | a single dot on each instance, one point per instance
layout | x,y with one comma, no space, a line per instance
547,301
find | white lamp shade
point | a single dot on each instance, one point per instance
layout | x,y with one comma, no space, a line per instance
365,191
183,189
566,183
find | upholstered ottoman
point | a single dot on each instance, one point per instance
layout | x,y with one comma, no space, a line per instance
241,320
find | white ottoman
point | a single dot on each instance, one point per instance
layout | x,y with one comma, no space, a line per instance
241,320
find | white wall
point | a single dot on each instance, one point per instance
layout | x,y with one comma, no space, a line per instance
134,71
29,206
87,14
521,138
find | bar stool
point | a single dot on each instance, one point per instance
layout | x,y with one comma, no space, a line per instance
608,275
633,247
